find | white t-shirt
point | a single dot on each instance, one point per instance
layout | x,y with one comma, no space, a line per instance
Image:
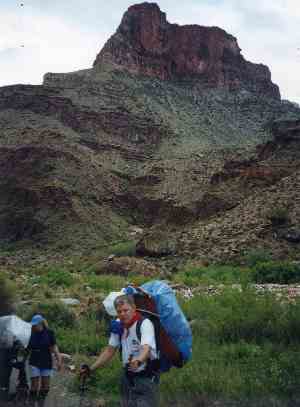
131,346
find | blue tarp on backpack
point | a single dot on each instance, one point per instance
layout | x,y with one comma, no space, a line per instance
171,316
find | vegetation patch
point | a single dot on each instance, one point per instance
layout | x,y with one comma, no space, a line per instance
277,272
255,256
214,274
56,313
278,216
123,249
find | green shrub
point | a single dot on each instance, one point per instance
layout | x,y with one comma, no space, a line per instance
56,313
243,315
88,337
276,272
193,276
278,216
105,283
123,249
7,295
256,256
54,277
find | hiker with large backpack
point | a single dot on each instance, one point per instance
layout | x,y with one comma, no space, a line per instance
152,335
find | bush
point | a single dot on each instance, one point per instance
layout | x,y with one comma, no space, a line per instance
84,339
56,313
193,276
105,283
7,296
123,249
54,277
245,347
236,315
276,272
278,216
256,256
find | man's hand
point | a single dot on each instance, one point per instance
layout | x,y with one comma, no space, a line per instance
134,364
85,371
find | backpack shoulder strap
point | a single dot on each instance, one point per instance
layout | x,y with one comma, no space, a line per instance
138,328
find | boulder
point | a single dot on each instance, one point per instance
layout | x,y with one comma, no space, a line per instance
156,243
127,265
70,301
292,236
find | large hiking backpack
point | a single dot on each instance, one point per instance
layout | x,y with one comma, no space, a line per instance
157,302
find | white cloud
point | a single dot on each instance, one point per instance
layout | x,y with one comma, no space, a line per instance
66,35
31,46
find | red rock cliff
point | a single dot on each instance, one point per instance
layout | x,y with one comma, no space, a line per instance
146,43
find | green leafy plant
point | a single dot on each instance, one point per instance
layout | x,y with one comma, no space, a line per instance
255,256
54,277
214,274
276,272
123,249
278,216
56,313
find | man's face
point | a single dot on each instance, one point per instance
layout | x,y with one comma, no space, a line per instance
125,312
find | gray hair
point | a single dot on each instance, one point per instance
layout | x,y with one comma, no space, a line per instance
124,299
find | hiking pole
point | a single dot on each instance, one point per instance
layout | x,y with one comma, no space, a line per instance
84,372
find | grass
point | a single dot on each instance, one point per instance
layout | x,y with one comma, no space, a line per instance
245,347
123,249
214,274
259,269
276,272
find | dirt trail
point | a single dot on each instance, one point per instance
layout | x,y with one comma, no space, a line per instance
60,393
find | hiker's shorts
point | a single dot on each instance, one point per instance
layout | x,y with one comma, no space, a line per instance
140,391
36,372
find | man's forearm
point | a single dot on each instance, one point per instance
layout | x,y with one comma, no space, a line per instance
144,354
104,358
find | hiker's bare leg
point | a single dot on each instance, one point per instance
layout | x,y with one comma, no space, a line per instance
34,391
44,390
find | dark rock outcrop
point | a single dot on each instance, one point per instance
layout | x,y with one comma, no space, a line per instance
157,243
146,43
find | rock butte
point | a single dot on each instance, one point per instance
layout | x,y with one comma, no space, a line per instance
146,43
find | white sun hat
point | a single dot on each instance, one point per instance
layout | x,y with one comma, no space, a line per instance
109,302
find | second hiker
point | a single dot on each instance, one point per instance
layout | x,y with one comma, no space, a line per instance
42,345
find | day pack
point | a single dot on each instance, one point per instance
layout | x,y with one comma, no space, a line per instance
157,302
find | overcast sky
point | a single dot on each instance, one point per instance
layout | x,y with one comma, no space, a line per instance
65,35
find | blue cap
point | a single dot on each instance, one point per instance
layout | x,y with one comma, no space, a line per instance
36,319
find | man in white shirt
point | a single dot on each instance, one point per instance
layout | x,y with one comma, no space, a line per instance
140,381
